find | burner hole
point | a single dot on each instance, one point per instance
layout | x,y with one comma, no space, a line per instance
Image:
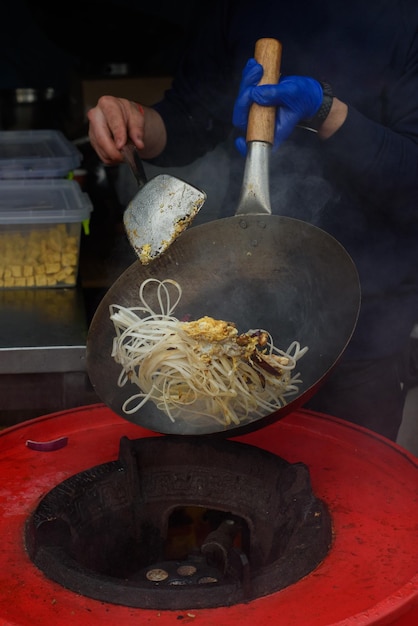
156,575
207,579
186,570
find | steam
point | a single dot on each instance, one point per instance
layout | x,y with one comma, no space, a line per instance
297,186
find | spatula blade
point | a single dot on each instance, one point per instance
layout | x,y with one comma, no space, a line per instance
159,213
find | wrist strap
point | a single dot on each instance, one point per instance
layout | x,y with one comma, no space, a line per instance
315,122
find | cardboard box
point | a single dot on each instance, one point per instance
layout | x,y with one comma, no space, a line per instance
146,90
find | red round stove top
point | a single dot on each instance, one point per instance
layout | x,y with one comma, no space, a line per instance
370,485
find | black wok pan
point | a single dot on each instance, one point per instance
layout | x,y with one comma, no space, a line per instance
254,269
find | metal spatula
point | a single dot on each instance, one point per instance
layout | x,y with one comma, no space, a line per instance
160,211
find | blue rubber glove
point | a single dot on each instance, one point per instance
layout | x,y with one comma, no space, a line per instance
297,98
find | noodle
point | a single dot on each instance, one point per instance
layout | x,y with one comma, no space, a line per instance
199,369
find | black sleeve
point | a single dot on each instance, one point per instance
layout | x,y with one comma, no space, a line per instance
380,158
197,110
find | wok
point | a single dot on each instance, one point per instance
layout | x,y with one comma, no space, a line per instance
271,272
255,269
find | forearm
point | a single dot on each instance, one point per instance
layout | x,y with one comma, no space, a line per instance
379,163
334,120
155,135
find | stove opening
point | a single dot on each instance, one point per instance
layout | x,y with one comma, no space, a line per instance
189,527
178,523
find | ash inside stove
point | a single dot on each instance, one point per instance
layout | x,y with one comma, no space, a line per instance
178,523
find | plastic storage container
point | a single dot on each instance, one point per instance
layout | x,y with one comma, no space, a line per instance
40,230
37,154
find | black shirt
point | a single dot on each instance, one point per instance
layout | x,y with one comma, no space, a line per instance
361,185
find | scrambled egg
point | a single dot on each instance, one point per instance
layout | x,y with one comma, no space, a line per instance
145,254
208,329
217,337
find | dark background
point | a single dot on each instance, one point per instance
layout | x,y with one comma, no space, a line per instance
50,48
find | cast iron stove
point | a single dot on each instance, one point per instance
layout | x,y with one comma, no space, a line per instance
369,485
178,522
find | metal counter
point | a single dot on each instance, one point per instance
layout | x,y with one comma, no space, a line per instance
42,353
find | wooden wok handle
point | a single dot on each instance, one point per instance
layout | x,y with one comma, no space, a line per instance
261,119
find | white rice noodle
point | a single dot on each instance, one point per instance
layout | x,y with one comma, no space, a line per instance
191,379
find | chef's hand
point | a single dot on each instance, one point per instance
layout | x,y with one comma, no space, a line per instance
111,123
297,98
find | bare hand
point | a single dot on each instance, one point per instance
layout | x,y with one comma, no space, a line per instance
111,123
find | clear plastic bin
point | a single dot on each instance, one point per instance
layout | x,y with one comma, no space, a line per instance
37,154
40,230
